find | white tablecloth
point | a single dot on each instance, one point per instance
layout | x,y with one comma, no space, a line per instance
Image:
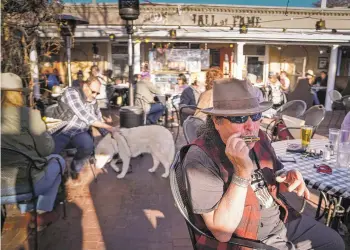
338,183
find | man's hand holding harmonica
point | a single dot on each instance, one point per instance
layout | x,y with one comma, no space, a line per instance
238,153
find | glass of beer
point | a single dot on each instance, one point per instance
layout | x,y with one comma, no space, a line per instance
306,133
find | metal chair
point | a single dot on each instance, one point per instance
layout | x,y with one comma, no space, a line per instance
15,192
190,127
312,117
295,108
178,184
337,103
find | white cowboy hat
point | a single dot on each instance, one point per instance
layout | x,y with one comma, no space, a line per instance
310,72
12,82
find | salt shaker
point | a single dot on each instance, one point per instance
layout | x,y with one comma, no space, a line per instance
327,153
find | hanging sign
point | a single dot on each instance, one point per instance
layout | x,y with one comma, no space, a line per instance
234,21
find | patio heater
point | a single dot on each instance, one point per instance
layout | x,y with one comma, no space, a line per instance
67,24
129,10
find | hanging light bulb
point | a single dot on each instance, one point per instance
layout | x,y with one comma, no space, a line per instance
243,29
231,45
321,24
146,40
112,37
172,34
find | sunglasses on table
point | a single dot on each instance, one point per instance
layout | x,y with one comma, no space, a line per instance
323,168
243,119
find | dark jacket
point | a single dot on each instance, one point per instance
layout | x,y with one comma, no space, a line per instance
188,97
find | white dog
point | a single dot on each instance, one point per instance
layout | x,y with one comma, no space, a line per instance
131,142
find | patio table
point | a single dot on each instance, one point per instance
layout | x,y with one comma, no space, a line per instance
333,188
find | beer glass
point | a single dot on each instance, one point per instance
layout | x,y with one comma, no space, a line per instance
306,133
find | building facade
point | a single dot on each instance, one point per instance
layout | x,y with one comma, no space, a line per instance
244,41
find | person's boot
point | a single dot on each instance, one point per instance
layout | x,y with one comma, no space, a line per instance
44,220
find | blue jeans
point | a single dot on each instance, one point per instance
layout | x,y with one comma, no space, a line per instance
84,144
155,112
315,98
47,186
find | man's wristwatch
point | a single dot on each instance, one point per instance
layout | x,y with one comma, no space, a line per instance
239,181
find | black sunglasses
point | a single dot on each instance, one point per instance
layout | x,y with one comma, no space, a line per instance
243,119
94,92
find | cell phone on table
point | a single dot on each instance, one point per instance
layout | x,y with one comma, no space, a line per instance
287,158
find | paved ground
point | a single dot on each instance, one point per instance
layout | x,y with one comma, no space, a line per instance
135,213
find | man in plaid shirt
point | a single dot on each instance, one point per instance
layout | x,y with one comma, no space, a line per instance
78,106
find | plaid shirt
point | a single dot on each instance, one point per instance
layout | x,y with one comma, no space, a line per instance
249,224
86,113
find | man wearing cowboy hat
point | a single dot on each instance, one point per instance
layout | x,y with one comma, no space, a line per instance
232,184
311,76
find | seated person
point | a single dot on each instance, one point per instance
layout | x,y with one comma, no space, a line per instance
144,98
79,82
53,79
232,184
322,79
189,96
206,98
274,91
78,106
312,81
285,82
23,129
181,83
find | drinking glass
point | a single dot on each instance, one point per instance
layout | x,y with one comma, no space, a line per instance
334,138
343,155
306,133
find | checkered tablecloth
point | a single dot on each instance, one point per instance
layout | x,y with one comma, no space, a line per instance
338,183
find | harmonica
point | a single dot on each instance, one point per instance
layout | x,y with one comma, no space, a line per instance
250,138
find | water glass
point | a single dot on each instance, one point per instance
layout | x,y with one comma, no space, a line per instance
334,138
343,155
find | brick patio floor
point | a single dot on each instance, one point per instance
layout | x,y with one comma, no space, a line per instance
135,213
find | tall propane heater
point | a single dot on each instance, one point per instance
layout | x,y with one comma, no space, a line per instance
129,10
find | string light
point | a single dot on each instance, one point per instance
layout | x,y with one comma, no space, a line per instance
321,24
243,29
112,37
172,34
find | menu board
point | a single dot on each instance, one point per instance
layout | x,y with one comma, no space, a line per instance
189,60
